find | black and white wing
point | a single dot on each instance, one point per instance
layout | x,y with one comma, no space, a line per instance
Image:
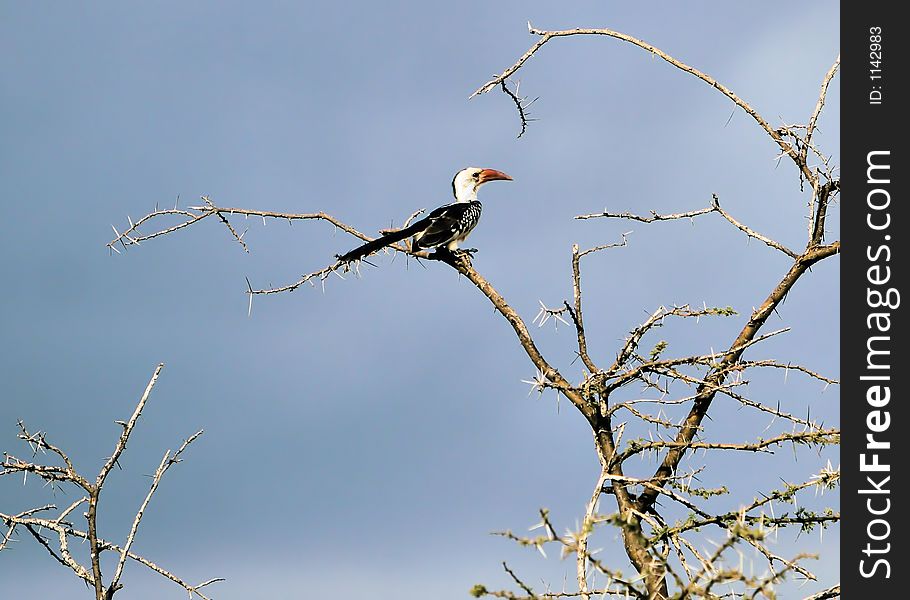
449,223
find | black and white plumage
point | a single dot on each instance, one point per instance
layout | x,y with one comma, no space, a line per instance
445,227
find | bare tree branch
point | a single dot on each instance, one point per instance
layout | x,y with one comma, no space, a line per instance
166,463
195,214
813,120
752,234
831,592
650,219
65,530
576,312
546,36
715,207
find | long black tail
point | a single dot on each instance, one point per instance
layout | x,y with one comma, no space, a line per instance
381,242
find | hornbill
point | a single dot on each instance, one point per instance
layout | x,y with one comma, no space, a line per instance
445,227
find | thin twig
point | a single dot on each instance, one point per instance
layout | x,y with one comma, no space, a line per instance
166,463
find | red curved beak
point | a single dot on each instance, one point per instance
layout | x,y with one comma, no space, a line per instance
492,175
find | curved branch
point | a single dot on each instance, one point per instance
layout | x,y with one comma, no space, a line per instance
546,36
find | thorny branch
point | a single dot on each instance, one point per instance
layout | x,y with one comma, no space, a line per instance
521,105
134,236
65,530
575,311
714,208
545,36
136,233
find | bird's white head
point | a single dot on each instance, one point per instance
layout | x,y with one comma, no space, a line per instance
468,180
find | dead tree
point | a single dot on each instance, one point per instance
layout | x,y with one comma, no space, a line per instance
55,529
661,514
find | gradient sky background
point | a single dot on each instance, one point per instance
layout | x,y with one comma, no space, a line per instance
363,442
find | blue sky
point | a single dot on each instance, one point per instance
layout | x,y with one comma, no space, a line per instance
363,441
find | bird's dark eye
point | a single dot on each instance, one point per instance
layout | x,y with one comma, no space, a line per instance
477,175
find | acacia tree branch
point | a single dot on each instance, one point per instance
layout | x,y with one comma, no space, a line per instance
575,311
27,519
612,381
813,120
822,198
747,364
569,544
654,216
95,491
749,232
128,428
50,473
552,375
825,479
64,557
521,105
823,437
166,463
66,531
587,527
715,207
38,441
706,393
132,235
737,523
831,592
546,36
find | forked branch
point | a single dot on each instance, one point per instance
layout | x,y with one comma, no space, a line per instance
30,521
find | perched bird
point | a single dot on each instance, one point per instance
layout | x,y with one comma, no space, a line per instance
445,227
